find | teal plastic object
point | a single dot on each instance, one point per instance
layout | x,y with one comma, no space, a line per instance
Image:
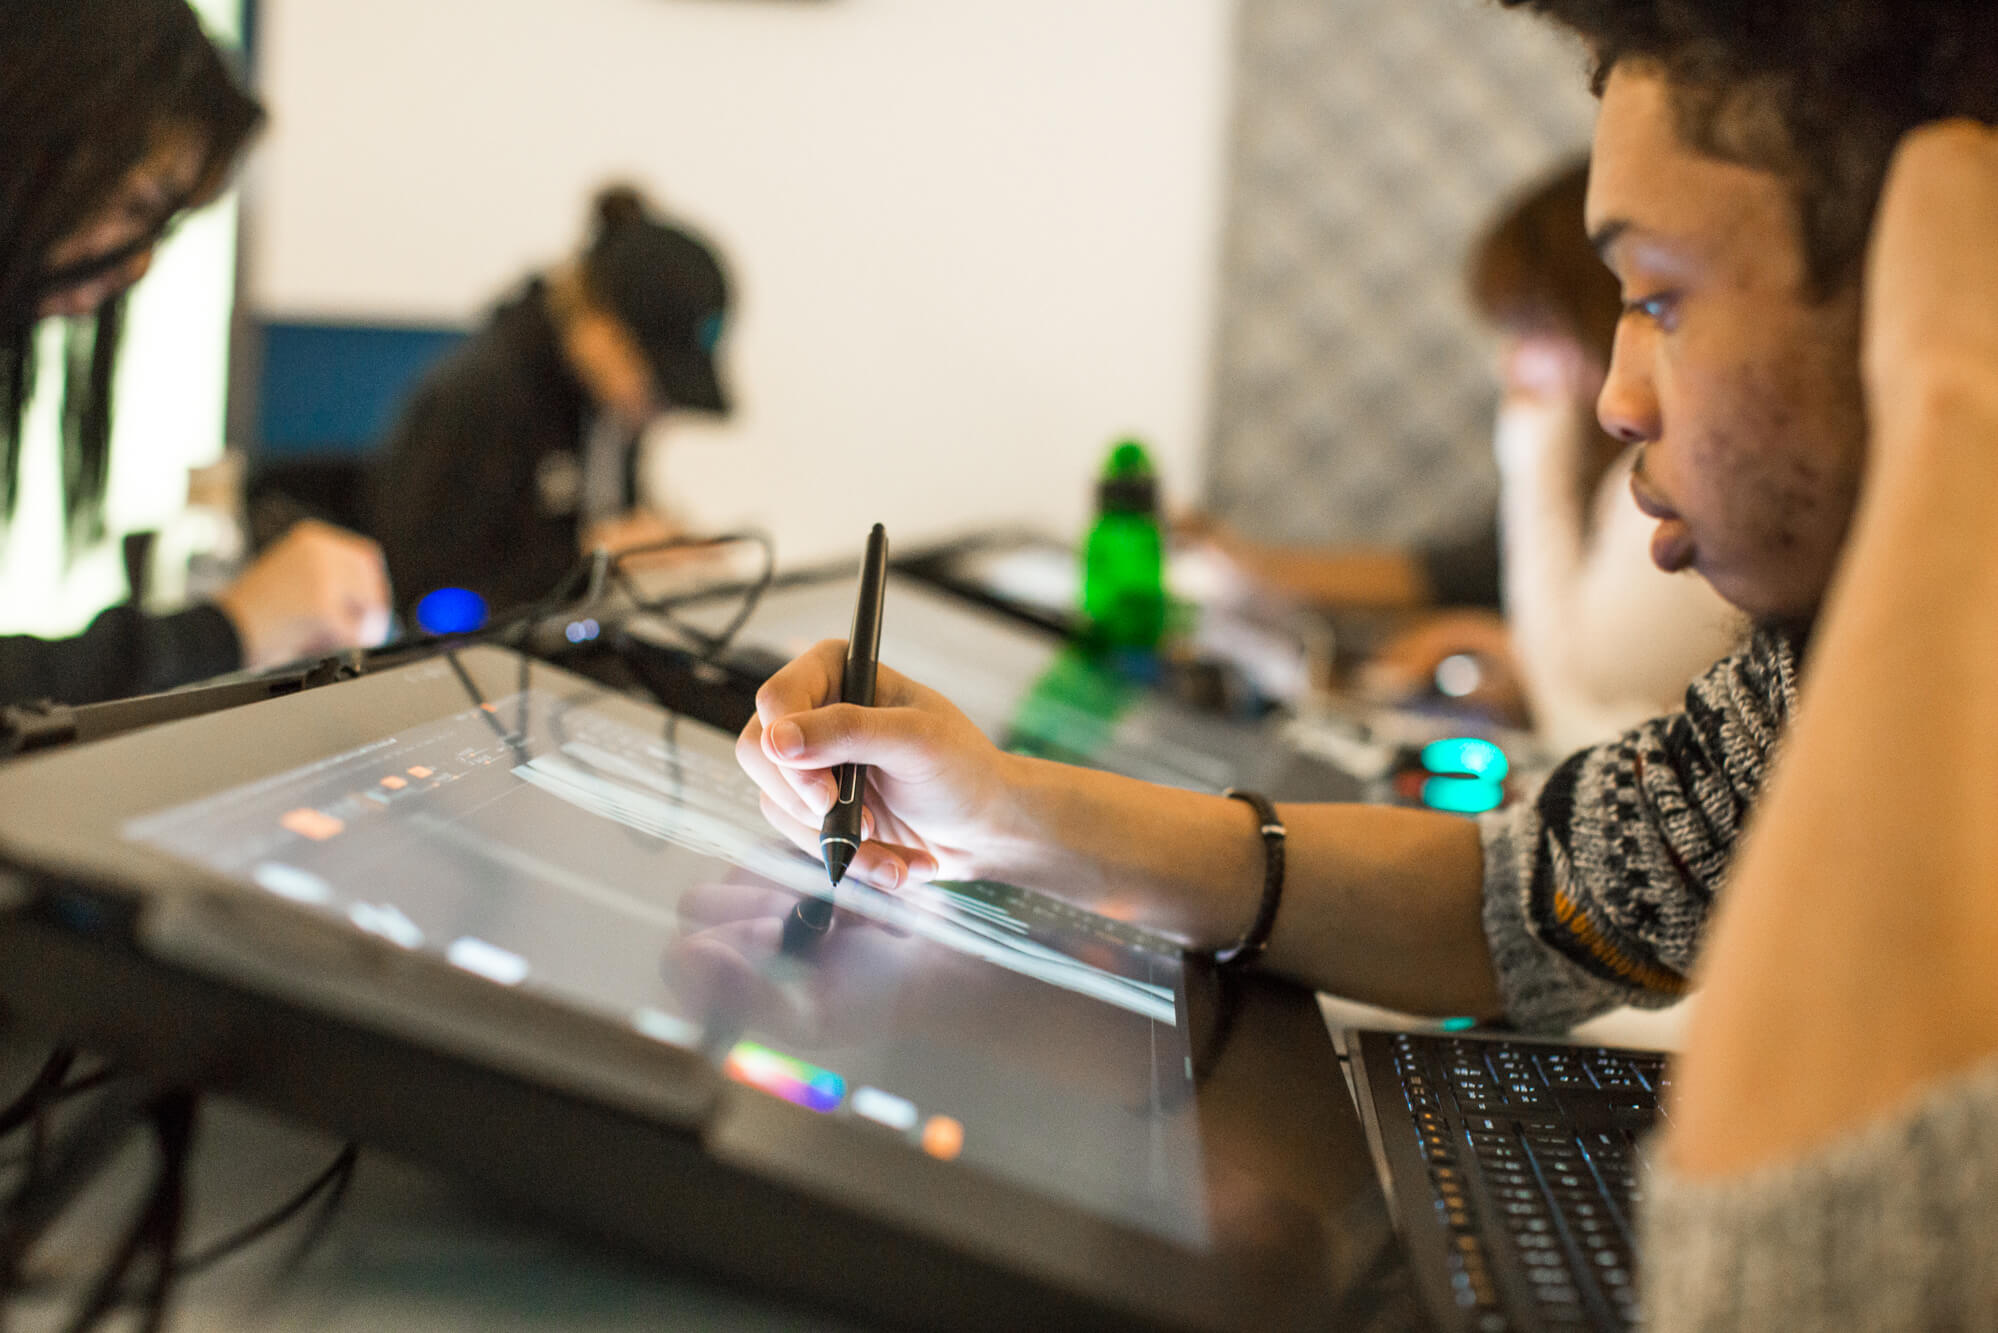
1466,755
1123,558
1462,796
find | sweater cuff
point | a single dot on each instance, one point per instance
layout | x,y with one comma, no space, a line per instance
1543,992
192,645
1890,1228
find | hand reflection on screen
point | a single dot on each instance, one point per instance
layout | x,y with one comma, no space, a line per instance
728,964
865,984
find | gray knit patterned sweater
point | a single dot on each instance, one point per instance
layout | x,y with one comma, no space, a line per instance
1598,887
1894,1228
1597,891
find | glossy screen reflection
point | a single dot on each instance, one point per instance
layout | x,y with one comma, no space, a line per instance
562,846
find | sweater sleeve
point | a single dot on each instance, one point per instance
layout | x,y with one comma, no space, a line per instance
124,652
1598,884
1895,1227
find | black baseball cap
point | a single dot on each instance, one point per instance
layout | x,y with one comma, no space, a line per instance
667,286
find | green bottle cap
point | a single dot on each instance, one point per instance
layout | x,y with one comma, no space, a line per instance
1129,486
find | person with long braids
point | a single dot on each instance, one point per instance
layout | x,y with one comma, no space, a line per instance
116,118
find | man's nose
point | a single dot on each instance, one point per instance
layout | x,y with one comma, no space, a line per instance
1627,407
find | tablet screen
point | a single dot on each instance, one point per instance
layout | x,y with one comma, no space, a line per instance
573,845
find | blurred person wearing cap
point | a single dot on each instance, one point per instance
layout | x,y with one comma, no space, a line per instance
521,450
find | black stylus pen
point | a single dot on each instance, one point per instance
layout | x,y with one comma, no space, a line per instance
839,836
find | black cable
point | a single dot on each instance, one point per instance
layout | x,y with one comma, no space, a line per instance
28,1105
155,1230
30,1110
76,1156
338,1174
712,645
584,584
342,1180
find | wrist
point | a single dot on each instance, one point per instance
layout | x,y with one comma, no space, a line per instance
1025,846
248,641
1945,406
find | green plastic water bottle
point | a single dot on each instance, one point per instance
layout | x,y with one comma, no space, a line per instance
1123,560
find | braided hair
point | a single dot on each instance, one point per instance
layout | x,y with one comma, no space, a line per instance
88,90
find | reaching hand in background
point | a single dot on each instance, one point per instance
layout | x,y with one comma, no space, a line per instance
317,589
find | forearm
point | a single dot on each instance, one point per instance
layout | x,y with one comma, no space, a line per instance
1851,966
1379,904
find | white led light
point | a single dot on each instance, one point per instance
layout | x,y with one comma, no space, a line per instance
884,1108
387,922
667,1028
1458,675
487,960
301,886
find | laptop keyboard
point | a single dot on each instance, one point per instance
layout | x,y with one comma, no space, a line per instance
1539,1144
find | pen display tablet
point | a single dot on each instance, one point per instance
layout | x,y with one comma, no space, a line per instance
564,842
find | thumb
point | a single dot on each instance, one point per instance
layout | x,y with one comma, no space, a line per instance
898,741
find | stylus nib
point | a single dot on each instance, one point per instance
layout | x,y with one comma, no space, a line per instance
839,855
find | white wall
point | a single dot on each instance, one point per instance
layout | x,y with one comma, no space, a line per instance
973,239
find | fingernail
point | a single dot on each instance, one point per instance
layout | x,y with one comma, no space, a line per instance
889,876
824,793
922,869
787,739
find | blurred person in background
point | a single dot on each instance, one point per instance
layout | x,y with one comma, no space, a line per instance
1593,638
117,117
521,451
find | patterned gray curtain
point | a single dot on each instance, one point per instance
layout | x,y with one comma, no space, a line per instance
1372,138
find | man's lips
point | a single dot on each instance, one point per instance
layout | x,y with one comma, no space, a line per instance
1672,544
1651,506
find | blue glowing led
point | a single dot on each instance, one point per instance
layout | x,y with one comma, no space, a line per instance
1458,1024
1467,755
1462,796
582,631
451,611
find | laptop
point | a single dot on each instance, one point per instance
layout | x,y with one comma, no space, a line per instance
1511,1166
492,916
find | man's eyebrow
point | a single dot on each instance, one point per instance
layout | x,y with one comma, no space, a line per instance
1607,235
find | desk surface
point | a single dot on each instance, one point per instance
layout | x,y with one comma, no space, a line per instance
406,1249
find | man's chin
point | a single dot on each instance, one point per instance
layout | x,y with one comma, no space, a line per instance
1766,612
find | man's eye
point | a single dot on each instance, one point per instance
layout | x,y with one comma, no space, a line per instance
1654,308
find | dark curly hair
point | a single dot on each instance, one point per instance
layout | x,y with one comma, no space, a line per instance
1842,80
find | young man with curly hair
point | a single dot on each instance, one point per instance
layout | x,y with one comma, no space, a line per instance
1739,161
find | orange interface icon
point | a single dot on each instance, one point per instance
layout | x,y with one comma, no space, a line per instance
943,1137
314,824
394,783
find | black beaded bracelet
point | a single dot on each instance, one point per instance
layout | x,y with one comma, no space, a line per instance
1250,947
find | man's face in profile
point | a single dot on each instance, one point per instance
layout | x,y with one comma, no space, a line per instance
1742,385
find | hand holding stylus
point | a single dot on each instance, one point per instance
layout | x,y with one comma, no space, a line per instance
941,791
